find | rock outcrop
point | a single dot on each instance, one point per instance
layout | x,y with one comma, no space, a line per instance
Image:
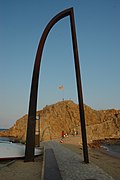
64,115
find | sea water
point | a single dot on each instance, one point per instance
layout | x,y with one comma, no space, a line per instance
112,149
4,138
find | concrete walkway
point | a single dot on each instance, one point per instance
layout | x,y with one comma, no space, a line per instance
71,165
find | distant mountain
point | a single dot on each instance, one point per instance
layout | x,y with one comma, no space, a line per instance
64,115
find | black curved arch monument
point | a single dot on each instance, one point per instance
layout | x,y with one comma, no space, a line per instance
30,139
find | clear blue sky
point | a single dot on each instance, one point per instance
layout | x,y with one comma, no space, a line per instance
98,34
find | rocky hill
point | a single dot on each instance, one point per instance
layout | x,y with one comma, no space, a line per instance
64,115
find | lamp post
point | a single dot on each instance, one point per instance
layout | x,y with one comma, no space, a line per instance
38,130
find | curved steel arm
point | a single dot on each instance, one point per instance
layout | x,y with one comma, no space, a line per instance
30,140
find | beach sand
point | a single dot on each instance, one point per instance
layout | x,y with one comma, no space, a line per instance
20,170
32,170
109,164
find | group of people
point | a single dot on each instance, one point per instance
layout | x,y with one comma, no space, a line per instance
63,134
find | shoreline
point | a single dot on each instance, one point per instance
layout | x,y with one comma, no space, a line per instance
106,162
109,153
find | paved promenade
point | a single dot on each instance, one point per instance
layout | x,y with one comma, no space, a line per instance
71,165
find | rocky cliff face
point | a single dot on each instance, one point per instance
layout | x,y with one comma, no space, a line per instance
65,116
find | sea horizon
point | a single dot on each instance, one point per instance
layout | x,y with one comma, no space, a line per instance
2,129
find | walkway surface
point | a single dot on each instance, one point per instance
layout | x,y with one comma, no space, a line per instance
71,165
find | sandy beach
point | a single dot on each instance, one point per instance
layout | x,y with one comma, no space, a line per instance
109,164
19,170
